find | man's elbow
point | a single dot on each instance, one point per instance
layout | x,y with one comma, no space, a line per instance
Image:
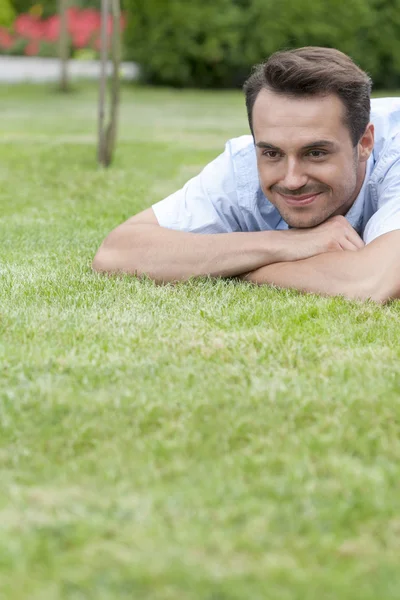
122,250
100,263
388,288
108,258
380,264
105,261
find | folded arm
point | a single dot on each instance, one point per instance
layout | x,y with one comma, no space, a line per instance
370,272
140,246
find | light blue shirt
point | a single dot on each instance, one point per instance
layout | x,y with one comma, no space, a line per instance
226,196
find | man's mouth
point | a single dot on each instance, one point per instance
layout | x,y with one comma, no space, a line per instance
300,200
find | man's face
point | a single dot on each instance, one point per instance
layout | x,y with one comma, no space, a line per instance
307,165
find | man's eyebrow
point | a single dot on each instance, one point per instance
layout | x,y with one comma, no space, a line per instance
265,145
317,144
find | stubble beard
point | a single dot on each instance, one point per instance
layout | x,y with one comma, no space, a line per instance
303,220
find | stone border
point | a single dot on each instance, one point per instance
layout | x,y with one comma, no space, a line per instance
19,69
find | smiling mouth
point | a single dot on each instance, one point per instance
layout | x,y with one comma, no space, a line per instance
300,200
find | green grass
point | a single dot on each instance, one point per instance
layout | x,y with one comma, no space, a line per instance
204,441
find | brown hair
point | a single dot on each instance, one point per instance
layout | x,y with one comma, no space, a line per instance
312,71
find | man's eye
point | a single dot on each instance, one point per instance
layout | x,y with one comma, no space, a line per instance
317,153
271,154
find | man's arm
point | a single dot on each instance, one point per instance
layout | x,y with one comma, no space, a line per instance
371,272
140,246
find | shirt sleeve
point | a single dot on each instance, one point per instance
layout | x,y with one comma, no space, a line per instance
207,203
387,216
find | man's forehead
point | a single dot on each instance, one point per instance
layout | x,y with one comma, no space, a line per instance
303,116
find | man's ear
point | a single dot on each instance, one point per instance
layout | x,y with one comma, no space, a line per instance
366,143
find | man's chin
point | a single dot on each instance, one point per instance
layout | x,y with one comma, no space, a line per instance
304,217
305,225
304,222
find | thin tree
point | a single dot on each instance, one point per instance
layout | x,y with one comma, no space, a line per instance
102,82
108,133
63,45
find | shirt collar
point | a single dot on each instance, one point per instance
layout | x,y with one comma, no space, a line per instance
355,214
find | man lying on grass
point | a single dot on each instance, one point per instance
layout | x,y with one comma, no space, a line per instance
310,201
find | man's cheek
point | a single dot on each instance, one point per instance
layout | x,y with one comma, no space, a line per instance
265,181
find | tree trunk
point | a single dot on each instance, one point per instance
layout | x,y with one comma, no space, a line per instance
101,153
111,134
108,132
63,45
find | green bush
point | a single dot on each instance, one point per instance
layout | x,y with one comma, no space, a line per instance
7,13
214,43
50,7
48,50
18,48
24,6
184,43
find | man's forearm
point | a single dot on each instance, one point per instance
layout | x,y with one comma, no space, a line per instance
140,246
168,255
372,272
329,274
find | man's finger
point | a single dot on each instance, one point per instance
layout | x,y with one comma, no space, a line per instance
355,239
347,244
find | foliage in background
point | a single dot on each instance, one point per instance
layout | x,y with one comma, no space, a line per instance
214,43
7,13
36,36
186,44
48,7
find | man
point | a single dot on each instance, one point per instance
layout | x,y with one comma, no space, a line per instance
310,201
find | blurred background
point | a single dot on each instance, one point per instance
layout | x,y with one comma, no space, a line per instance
175,72
210,43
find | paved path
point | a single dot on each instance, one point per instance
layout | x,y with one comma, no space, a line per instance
17,69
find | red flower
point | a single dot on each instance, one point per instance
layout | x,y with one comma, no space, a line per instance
6,39
51,28
83,26
29,27
32,48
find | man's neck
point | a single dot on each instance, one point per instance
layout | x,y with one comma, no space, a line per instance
361,172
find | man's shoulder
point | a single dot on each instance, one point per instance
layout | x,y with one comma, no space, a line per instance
385,115
241,147
242,155
387,105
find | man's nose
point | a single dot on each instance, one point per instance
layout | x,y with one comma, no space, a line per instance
295,176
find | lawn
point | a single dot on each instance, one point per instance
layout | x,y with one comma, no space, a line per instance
203,441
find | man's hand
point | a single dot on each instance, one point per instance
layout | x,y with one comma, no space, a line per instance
373,272
333,235
140,246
